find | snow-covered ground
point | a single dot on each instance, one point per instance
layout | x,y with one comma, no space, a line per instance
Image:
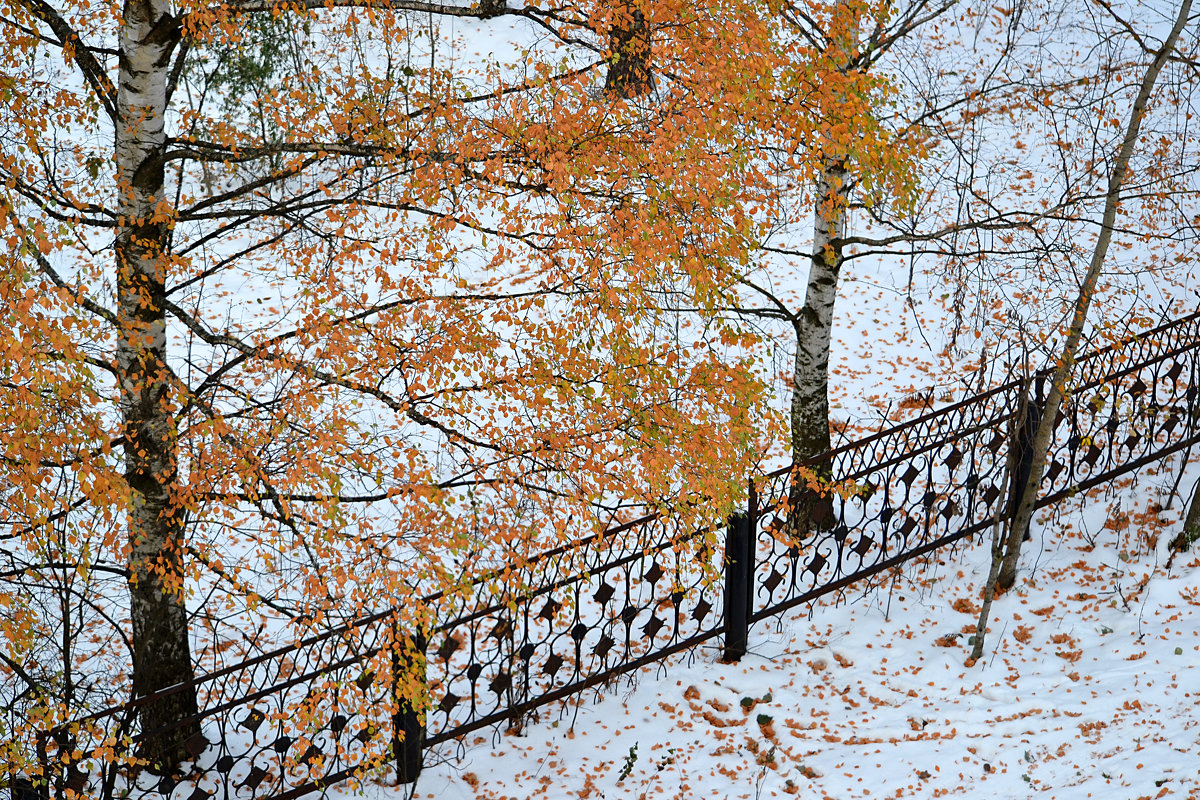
1089,688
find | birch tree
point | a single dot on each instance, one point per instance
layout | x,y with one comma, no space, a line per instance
861,158
407,314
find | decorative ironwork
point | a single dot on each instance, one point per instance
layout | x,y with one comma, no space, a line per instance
281,725
303,717
904,492
1134,405
938,479
648,592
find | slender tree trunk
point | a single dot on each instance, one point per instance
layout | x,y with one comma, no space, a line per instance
989,593
1190,532
629,72
161,653
1066,361
812,510
1012,468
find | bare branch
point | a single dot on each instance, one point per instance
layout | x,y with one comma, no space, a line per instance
83,56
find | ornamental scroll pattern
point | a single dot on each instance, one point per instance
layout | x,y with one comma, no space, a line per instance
1131,407
280,725
649,593
293,721
936,480
904,492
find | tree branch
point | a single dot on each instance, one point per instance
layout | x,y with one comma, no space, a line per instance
83,56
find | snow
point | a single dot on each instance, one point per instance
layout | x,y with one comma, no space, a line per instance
1088,688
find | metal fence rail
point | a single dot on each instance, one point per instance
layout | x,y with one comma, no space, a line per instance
295,720
947,475
653,594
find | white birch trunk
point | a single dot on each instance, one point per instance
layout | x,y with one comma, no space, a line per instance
161,653
814,332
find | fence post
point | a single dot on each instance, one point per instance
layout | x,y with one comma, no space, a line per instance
408,733
739,570
22,788
1025,429
44,764
751,539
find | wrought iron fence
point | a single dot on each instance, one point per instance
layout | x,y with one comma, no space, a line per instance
306,716
331,707
649,592
940,478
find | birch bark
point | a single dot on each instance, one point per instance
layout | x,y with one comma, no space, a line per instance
812,510
161,652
